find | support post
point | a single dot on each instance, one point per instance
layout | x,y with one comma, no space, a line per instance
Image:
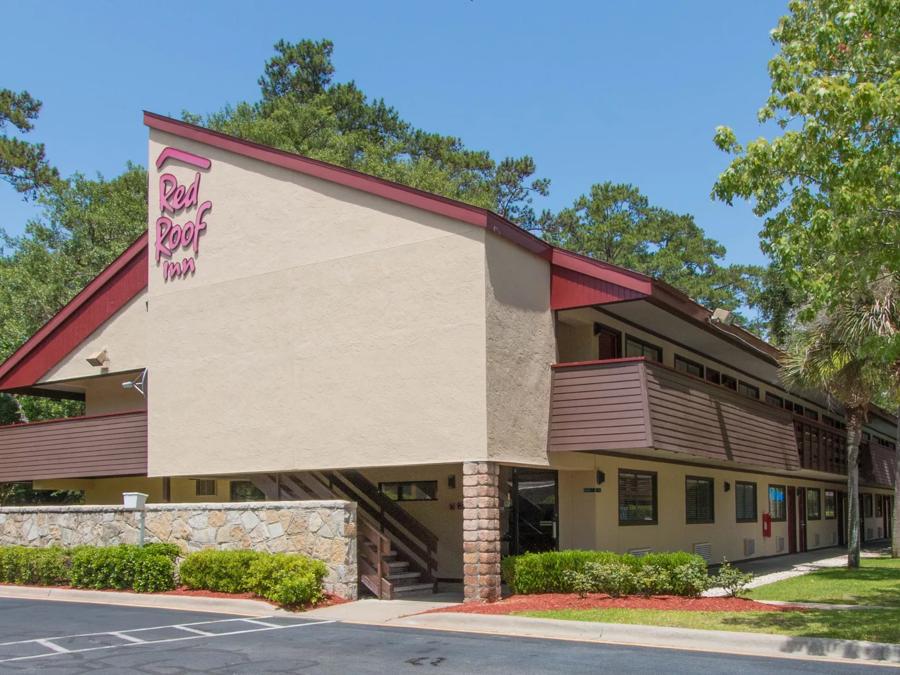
481,531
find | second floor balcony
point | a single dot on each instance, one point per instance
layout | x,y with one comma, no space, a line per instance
634,403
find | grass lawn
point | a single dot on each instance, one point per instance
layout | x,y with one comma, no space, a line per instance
878,625
877,582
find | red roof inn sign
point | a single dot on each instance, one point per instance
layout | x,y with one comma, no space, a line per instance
176,198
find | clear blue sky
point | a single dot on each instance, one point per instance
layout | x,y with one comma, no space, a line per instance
603,90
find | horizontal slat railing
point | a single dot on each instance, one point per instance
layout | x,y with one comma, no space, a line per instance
77,447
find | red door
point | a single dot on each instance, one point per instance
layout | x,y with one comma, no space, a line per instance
792,519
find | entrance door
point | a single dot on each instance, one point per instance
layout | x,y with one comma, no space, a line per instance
887,508
792,519
801,519
534,518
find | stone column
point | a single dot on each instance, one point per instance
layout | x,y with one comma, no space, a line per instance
481,531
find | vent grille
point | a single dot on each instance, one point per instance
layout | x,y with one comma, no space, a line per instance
749,547
779,544
639,552
704,550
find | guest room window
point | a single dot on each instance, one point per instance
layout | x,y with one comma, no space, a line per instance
745,501
205,488
699,498
777,502
813,504
637,497
609,341
774,400
748,390
410,490
830,505
635,347
688,366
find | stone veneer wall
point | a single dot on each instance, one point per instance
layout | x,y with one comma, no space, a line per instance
481,531
325,530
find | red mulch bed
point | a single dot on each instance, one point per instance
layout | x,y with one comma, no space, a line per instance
551,601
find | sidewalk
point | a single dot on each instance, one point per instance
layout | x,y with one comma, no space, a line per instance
720,642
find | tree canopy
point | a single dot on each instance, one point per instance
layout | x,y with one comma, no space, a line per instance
829,185
23,165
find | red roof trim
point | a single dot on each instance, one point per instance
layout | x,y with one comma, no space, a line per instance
109,291
396,192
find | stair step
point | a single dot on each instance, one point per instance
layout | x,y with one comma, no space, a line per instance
403,575
397,564
413,588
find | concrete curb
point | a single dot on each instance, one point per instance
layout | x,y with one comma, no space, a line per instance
237,606
748,644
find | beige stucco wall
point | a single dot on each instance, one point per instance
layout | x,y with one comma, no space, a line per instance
590,520
521,347
109,490
123,335
324,328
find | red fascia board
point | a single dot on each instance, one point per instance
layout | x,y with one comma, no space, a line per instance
598,269
598,362
19,425
396,192
105,295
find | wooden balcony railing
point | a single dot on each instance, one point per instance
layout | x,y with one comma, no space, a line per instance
77,447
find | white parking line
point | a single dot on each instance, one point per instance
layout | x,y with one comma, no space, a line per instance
193,630
49,645
132,641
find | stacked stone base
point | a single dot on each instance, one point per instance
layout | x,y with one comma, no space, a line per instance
481,531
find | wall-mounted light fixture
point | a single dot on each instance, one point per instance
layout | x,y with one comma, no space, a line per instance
451,481
601,478
139,383
100,359
727,486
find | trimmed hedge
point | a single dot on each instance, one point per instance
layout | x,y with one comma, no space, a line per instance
677,573
283,578
146,569
222,571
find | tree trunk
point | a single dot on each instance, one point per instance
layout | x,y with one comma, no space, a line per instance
854,432
895,542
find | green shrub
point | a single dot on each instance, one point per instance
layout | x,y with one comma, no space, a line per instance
223,571
42,566
287,579
585,572
171,551
732,579
153,572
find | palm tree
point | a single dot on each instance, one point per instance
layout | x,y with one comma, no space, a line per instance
823,354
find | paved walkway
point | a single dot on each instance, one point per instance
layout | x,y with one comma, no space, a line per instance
775,569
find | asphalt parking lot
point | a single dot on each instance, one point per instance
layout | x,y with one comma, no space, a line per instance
62,637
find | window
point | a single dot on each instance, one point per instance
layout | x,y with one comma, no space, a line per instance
637,497
713,376
867,506
205,488
745,501
409,490
813,504
830,505
609,342
635,347
798,409
788,405
828,421
777,507
245,491
811,414
699,497
688,366
730,382
772,399
748,390
878,506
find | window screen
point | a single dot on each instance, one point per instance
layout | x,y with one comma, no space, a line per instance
699,499
745,502
637,497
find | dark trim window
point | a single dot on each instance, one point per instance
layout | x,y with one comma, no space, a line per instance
745,501
813,504
409,490
878,505
867,506
773,399
637,497
245,491
205,488
828,421
635,347
798,409
778,502
699,495
729,382
830,505
688,366
811,414
713,376
748,390
609,342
